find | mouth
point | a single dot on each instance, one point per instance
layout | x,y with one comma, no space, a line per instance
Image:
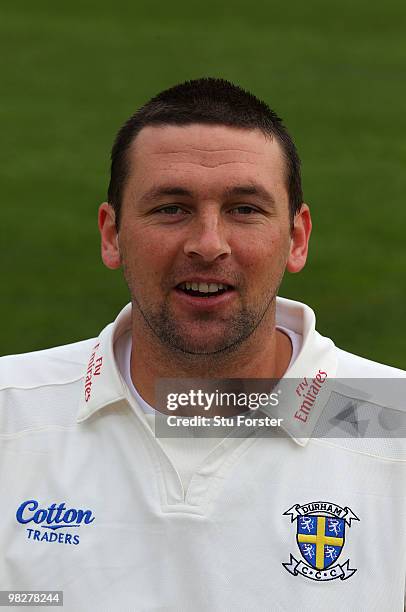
205,290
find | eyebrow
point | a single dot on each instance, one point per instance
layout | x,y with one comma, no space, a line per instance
250,189
157,192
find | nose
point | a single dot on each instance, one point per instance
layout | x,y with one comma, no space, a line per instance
207,238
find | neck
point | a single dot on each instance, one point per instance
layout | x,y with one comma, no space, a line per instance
265,354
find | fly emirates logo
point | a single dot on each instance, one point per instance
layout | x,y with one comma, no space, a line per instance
308,391
93,369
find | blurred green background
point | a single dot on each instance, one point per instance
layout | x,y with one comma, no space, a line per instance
73,72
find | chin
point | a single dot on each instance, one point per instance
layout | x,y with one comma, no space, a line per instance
203,347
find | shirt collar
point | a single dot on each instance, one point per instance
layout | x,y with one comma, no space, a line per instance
103,385
306,386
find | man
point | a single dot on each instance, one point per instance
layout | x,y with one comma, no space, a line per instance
204,214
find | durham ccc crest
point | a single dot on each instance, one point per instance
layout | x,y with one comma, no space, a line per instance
320,537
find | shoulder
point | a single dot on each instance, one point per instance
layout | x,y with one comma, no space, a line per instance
55,366
366,411
355,366
40,391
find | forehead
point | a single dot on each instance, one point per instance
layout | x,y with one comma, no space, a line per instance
207,155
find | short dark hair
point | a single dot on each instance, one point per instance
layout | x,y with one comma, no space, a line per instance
208,101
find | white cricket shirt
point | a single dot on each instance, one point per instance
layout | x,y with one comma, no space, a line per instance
92,505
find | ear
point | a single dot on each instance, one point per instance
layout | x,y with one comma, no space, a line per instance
299,244
109,238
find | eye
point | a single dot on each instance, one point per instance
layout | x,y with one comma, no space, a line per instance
171,209
243,210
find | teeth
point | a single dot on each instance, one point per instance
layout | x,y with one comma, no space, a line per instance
203,287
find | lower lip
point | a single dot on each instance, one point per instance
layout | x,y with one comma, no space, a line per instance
205,303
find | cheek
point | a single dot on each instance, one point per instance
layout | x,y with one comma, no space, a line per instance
146,258
263,253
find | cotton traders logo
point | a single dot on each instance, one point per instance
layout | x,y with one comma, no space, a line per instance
320,537
45,523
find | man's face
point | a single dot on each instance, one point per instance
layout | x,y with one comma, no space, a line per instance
204,206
